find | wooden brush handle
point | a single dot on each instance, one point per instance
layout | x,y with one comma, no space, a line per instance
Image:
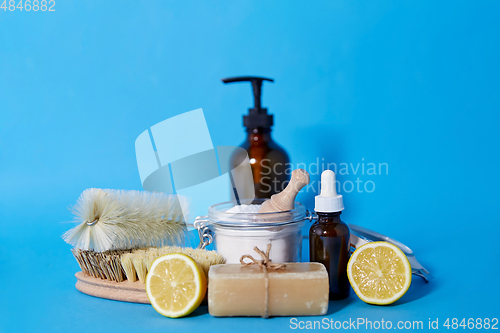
125,291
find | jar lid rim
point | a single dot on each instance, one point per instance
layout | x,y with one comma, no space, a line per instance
218,215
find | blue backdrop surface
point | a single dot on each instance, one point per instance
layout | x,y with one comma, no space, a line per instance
411,87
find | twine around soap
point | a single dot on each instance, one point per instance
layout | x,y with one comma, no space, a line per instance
265,262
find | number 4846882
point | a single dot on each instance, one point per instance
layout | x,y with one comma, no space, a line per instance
28,5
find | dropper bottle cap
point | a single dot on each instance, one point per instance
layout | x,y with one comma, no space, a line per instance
328,201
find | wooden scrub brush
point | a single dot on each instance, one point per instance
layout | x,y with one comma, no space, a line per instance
113,221
120,275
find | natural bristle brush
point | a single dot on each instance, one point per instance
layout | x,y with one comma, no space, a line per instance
134,265
120,275
118,236
122,220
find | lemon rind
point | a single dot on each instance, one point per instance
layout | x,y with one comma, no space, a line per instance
378,301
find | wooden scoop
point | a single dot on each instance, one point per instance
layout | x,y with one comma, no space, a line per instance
285,200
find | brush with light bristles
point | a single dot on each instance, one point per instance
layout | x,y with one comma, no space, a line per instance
122,220
134,265
137,264
120,275
114,222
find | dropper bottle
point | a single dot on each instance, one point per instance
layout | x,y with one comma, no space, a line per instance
268,160
329,237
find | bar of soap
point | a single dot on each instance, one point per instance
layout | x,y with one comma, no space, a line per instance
299,289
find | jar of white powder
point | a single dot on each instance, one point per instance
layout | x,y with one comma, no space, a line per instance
236,230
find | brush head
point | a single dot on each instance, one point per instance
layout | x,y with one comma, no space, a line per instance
121,220
134,265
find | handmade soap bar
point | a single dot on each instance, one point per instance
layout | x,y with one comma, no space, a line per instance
298,289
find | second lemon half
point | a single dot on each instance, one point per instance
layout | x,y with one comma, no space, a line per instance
379,273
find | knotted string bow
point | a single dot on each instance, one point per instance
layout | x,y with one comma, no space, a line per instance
265,263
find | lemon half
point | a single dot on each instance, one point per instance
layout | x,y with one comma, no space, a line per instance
175,285
379,273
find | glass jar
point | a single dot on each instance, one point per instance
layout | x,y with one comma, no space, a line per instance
236,234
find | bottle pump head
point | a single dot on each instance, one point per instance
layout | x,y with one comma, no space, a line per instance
328,201
257,116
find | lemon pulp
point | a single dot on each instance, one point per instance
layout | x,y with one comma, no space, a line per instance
175,285
379,273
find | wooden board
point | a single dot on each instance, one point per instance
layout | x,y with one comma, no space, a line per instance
125,291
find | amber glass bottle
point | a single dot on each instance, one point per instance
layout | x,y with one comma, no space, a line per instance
329,245
329,237
268,160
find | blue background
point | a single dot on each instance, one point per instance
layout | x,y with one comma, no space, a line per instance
414,84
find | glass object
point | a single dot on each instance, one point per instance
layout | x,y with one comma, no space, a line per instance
236,234
329,245
269,162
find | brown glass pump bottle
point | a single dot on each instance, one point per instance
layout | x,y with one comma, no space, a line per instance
268,160
329,237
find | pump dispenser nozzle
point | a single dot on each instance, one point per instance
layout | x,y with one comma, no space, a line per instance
257,116
328,200
261,148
